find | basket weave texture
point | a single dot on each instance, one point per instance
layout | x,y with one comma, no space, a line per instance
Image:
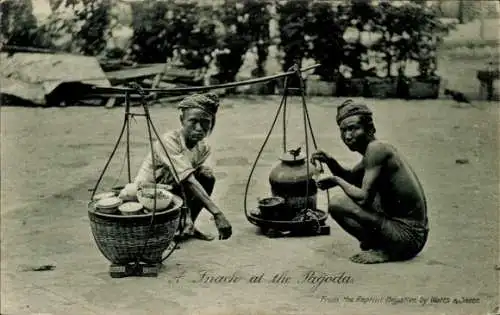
121,239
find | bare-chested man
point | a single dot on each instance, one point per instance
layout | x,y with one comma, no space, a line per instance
383,204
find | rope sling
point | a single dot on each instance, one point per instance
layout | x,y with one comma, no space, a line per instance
294,70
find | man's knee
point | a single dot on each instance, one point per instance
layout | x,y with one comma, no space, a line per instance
206,177
340,204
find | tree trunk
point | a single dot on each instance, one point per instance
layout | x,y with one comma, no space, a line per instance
461,19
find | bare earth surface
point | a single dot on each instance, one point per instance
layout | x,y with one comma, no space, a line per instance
51,157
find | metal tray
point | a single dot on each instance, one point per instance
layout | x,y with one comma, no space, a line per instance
285,226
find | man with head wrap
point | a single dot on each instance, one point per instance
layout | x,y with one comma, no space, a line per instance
189,154
381,201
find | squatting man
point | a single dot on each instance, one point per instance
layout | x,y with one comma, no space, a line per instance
381,201
189,155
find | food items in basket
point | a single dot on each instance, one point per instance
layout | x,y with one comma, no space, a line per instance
130,208
129,192
147,198
103,196
108,205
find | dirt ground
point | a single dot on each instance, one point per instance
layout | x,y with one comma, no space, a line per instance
51,157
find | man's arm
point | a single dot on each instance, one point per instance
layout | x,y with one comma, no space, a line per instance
353,176
375,156
192,184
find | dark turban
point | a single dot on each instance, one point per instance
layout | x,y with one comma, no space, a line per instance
350,108
208,102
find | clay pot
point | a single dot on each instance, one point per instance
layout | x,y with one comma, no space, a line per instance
291,180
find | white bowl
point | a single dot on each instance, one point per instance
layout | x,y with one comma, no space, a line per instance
130,208
146,198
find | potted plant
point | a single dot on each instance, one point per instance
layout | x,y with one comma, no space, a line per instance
427,35
389,26
325,33
427,83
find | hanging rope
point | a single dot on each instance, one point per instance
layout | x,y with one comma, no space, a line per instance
307,118
282,103
182,220
307,127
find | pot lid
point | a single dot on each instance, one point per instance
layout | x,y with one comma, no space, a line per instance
293,156
109,202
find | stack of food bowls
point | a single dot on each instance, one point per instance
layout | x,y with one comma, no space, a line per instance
108,205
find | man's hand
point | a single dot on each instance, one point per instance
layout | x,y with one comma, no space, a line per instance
327,183
223,225
320,156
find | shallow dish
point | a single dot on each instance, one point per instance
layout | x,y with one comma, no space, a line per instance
146,197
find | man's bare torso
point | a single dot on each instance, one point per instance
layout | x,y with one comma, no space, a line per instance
401,194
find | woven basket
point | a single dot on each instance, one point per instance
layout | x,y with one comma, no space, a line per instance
121,239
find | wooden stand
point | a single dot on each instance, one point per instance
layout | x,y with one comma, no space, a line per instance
134,270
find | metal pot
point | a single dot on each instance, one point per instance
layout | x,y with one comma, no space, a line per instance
271,208
291,180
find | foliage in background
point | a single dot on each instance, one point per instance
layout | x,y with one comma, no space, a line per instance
198,34
91,37
19,26
235,41
259,18
360,15
293,17
85,31
431,32
325,30
152,23
246,25
409,32
196,49
161,28
396,32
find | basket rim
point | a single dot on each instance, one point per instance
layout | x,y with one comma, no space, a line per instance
176,199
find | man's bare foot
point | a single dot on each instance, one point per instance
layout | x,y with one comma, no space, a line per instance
194,233
202,236
370,257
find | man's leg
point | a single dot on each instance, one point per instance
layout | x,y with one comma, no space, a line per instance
205,177
363,224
